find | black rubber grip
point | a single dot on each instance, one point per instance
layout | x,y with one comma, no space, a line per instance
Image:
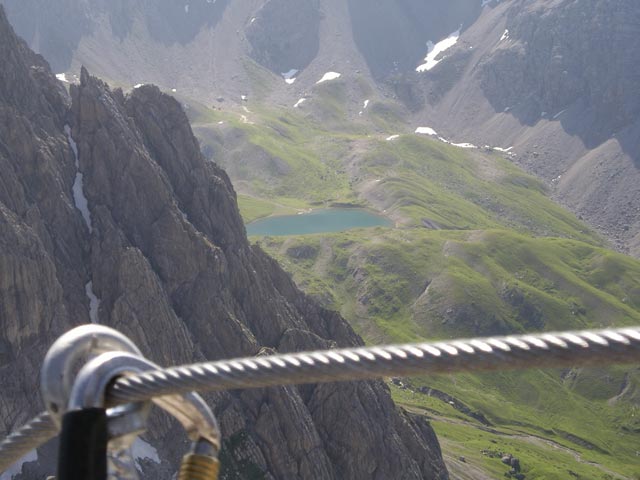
83,445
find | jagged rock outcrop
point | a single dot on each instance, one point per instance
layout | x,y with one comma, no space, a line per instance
43,254
166,255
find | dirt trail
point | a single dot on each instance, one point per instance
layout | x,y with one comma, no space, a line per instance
578,457
459,469
324,258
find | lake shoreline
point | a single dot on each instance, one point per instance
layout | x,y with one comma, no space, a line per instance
314,221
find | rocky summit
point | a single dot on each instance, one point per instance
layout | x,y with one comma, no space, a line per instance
109,213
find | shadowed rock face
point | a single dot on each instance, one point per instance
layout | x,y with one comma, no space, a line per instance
169,260
566,52
392,35
57,34
284,34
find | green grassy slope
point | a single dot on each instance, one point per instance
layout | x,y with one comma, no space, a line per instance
478,249
431,284
406,285
292,157
464,189
278,155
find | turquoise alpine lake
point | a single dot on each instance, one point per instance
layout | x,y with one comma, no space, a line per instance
317,221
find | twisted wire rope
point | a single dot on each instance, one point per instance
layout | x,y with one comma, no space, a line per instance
563,349
31,435
482,354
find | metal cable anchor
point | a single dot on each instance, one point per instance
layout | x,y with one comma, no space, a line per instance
125,423
64,356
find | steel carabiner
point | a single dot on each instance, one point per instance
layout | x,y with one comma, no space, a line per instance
88,395
66,353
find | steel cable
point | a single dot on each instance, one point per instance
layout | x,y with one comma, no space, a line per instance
35,433
564,349
482,354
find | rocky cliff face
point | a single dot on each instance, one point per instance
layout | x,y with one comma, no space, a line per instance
162,248
58,33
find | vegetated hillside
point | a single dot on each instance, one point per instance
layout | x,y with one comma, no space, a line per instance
350,140
409,284
109,213
428,284
298,159
479,248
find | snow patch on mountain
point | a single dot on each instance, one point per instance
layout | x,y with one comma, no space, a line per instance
426,131
79,199
82,204
559,114
435,50
329,76
290,76
94,302
508,150
462,145
299,102
430,131
504,150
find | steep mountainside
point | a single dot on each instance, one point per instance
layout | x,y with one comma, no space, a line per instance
109,213
455,265
558,81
